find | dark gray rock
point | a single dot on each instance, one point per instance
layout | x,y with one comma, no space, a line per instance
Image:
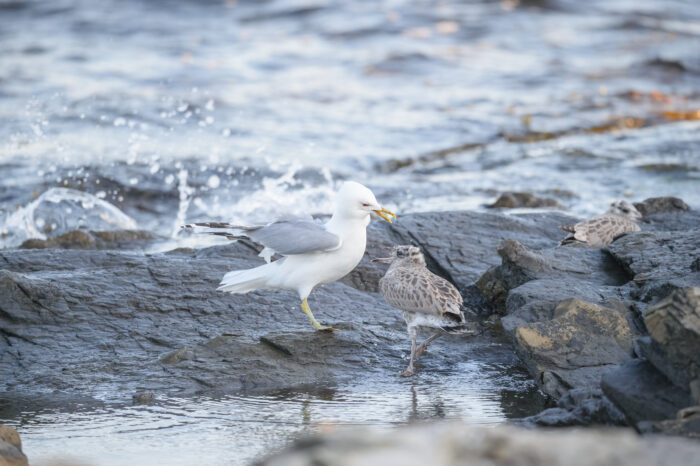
449,444
156,323
642,393
519,265
581,343
584,273
462,245
674,343
535,301
578,407
86,239
614,286
655,205
659,262
143,398
686,424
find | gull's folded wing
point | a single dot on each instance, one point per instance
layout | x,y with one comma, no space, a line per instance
288,235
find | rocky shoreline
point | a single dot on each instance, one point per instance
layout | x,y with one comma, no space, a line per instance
612,335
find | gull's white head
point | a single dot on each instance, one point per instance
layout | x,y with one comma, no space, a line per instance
354,200
625,209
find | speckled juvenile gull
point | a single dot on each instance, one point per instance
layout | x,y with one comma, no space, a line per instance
423,298
603,229
313,253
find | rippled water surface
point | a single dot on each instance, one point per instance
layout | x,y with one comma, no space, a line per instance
266,105
178,111
238,429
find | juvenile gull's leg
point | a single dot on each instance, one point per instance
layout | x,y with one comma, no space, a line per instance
425,344
314,322
409,370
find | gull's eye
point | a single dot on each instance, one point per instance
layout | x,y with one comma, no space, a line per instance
364,204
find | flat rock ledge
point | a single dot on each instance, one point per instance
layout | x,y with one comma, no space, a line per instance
125,322
449,444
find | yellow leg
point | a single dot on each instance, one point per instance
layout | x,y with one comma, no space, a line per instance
314,322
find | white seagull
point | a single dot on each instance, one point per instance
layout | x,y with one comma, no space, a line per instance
313,253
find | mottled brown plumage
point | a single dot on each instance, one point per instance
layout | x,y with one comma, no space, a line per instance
603,229
423,298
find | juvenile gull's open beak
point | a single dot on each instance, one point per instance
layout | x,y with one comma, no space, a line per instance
385,214
383,260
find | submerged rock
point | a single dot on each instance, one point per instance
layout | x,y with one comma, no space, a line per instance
143,398
511,200
448,444
59,211
85,239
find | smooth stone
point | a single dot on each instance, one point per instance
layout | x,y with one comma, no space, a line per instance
642,393
448,444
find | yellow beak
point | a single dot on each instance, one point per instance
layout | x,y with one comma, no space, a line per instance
385,214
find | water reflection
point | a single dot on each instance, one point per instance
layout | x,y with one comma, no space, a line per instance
235,429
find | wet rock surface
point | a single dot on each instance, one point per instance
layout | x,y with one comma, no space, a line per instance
633,299
576,347
673,346
511,200
156,323
452,444
578,407
153,323
643,393
11,448
86,239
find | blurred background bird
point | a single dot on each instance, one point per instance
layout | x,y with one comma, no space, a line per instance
603,229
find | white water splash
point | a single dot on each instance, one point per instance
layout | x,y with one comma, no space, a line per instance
283,195
59,211
185,198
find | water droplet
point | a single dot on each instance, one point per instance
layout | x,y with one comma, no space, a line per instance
213,182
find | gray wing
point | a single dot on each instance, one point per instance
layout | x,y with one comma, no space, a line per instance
420,291
287,235
295,235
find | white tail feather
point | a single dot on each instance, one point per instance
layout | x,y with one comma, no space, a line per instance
243,281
